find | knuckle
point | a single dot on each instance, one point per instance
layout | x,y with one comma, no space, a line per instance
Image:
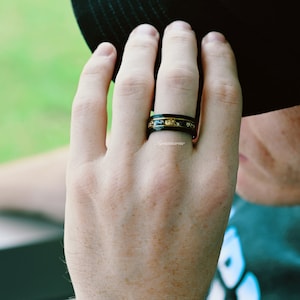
226,91
84,105
219,50
181,77
141,44
218,186
96,66
82,182
180,36
135,82
162,183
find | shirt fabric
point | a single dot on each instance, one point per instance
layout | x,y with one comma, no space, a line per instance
260,255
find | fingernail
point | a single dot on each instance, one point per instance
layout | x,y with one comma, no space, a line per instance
179,25
214,37
145,29
104,49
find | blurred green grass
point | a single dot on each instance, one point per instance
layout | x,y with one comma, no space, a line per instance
42,53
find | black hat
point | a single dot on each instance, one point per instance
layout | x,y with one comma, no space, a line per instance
264,35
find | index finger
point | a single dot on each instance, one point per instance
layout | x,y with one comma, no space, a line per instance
89,116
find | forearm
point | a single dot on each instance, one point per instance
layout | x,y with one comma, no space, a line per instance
35,184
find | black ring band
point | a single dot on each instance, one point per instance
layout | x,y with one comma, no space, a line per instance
172,122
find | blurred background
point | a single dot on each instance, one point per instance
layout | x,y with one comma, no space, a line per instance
42,53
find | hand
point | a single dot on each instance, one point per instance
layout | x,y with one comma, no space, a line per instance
145,217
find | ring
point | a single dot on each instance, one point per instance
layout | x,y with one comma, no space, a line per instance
172,122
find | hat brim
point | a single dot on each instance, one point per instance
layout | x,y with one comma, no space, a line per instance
263,37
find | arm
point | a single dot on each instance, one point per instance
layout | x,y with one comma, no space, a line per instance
145,216
35,184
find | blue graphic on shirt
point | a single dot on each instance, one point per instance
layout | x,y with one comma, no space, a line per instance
233,281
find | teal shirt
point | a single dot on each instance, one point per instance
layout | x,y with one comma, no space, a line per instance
260,256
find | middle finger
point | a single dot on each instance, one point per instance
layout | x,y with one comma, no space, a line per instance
178,76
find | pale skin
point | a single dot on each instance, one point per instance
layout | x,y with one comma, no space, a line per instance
145,220
270,157
35,184
40,179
